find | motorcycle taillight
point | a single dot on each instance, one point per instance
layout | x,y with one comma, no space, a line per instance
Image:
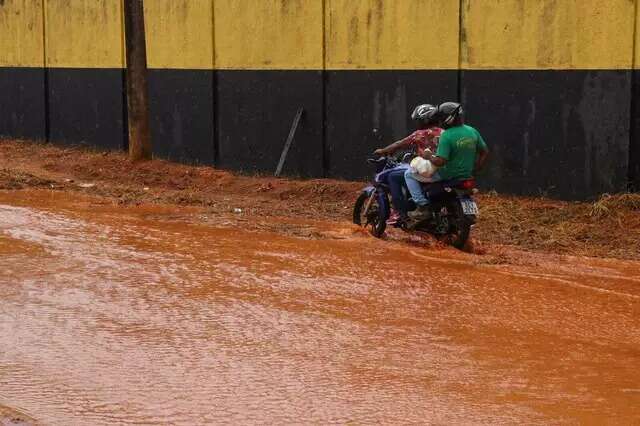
468,184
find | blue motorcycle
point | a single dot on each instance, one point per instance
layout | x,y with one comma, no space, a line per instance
453,210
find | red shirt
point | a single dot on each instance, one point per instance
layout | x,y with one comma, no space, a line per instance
425,138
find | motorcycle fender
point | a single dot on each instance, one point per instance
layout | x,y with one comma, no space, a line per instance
383,202
369,190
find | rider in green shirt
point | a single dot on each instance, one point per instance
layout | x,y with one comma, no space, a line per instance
460,153
460,146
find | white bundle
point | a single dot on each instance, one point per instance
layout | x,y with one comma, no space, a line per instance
423,167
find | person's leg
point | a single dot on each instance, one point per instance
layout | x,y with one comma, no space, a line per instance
423,209
415,188
396,182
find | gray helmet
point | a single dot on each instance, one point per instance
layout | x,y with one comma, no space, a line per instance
449,113
424,113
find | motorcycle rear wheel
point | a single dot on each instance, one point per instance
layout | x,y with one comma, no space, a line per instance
461,236
373,219
460,228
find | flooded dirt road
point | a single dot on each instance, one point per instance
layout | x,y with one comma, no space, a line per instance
150,314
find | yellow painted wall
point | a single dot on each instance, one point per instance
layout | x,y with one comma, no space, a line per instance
547,34
268,34
392,34
21,40
359,34
636,62
179,33
84,33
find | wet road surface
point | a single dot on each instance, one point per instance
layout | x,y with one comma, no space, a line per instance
135,315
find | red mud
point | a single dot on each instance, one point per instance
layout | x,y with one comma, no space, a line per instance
162,314
608,228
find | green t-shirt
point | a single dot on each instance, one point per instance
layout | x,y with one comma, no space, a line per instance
459,146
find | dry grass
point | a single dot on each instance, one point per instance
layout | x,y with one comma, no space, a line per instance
616,204
11,179
609,227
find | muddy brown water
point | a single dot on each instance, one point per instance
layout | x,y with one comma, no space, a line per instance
136,315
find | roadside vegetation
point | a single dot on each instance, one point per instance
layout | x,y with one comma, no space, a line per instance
608,227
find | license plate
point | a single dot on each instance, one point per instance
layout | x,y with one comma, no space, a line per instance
469,207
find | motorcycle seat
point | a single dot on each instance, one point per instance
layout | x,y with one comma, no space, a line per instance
434,189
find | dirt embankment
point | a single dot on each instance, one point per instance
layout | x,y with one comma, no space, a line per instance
9,417
609,227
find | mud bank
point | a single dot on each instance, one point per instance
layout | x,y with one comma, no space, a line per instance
609,227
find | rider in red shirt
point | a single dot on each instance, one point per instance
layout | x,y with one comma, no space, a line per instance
425,138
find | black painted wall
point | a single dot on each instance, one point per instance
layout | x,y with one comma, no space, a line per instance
254,115
567,134
558,133
87,106
634,149
181,105
22,103
366,110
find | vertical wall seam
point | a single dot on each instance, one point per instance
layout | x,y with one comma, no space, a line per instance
214,89
323,80
125,100
460,45
633,166
123,53
635,34
45,70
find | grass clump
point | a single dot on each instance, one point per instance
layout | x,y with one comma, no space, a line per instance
612,204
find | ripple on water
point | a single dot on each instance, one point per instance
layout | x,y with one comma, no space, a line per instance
113,319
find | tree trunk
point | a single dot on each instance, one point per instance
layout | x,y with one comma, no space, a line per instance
136,78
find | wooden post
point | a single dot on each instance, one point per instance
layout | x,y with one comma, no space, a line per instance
136,78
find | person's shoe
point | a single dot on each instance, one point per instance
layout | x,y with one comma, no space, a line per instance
394,218
421,213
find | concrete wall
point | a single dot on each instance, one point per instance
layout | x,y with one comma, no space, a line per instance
181,79
382,59
84,58
549,83
552,84
22,75
269,61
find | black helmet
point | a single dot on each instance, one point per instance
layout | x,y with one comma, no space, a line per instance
449,113
424,113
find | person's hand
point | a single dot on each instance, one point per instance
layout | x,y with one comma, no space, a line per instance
379,152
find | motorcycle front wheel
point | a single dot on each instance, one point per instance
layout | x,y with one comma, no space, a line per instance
368,214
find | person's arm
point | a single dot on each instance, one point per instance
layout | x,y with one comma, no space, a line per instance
437,161
481,159
397,145
483,152
441,157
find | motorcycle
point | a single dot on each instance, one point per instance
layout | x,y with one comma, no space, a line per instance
453,209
